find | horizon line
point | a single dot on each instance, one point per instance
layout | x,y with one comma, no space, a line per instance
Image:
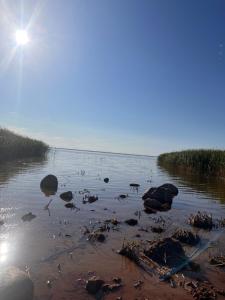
104,152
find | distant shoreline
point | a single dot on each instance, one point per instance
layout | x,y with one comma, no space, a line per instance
103,152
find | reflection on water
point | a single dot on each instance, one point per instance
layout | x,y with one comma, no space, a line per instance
210,186
57,229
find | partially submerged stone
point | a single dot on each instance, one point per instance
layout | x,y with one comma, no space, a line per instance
131,222
92,199
94,284
201,220
67,196
167,252
28,217
106,180
15,285
70,205
135,185
49,185
186,237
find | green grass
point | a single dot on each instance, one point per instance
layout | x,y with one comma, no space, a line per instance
14,146
209,162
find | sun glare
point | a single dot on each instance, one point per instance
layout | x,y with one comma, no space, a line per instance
22,37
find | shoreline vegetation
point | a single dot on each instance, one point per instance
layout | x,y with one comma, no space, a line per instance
15,146
208,162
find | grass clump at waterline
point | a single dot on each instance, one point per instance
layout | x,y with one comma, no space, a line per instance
206,161
14,146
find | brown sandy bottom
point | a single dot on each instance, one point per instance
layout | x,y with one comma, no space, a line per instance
102,259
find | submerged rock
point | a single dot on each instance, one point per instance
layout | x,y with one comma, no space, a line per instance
15,285
168,252
28,217
94,284
1,222
49,185
123,196
92,199
70,205
106,180
186,237
131,222
67,196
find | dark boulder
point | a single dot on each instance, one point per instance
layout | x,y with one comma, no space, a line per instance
15,285
160,194
152,204
49,185
106,180
171,188
67,196
94,284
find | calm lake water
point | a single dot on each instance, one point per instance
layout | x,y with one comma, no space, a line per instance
56,232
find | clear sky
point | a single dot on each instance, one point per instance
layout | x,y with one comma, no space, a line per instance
115,75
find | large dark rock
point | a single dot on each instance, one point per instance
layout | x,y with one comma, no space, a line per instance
67,196
94,284
163,194
170,187
49,185
153,204
15,285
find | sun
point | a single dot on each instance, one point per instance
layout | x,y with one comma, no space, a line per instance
22,37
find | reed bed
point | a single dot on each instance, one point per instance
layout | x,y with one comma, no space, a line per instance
206,161
14,146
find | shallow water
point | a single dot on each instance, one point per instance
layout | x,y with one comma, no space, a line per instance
41,244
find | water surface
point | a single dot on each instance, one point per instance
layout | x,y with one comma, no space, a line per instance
56,232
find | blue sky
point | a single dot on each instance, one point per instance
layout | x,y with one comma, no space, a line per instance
115,75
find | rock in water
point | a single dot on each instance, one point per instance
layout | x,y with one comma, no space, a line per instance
94,284
15,285
28,217
67,196
170,187
49,185
152,204
106,180
131,222
160,194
